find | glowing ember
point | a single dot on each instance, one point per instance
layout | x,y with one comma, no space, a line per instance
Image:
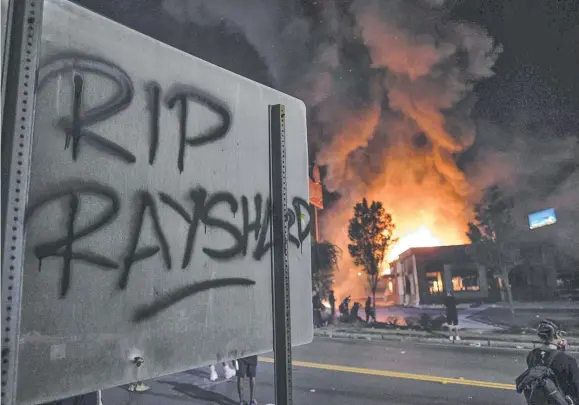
423,237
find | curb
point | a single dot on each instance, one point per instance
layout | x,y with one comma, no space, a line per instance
467,341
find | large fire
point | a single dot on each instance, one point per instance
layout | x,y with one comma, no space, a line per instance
389,122
419,222
404,156
423,237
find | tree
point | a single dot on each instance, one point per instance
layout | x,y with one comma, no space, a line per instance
370,232
325,257
492,236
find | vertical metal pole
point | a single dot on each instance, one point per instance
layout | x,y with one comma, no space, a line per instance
21,51
280,263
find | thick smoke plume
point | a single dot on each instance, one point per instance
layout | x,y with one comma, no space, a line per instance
389,86
538,165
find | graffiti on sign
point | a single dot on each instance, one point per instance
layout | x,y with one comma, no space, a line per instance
196,208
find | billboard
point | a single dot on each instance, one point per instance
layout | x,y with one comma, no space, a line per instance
148,218
542,218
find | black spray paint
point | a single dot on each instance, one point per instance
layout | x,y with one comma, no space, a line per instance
74,126
153,91
180,97
198,208
198,197
63,246
148,311
134,254
254,222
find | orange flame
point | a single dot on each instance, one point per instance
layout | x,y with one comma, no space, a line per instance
423,237
405,157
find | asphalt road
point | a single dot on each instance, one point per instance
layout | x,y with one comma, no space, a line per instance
331,372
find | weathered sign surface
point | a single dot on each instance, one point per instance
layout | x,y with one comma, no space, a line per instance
147,227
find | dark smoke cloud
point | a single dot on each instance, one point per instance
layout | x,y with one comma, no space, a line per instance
389,86
538,165
274,28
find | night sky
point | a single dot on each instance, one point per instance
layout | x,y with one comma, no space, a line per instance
537,75
538,72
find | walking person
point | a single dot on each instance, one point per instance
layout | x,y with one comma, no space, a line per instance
369,309
451,316
552,377
318,307
247,368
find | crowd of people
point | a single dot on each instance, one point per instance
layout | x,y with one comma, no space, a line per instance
347,314
552,376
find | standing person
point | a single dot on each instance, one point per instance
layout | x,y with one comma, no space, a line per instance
344,306
548,361
318,307
332,300
247,368
451,316
369,310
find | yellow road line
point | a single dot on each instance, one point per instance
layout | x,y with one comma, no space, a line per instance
395,374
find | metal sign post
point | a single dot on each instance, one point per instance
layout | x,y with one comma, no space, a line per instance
21,53
280,263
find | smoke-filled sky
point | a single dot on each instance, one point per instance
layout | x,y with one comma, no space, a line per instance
417,103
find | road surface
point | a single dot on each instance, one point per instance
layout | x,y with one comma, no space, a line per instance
332,372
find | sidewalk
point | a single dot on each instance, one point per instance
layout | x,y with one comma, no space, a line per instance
538,305
403,315
472,337
535,305
187,387
491,316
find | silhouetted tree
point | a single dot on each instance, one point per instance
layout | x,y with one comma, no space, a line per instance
370,232
325,257
492,236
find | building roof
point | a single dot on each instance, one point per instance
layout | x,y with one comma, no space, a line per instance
449,253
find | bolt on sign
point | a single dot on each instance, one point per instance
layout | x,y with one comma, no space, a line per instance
148,216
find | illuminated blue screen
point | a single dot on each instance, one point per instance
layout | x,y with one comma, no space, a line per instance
542,218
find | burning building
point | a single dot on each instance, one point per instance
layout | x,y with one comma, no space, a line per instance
400,147
424,275
389,90
389,86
